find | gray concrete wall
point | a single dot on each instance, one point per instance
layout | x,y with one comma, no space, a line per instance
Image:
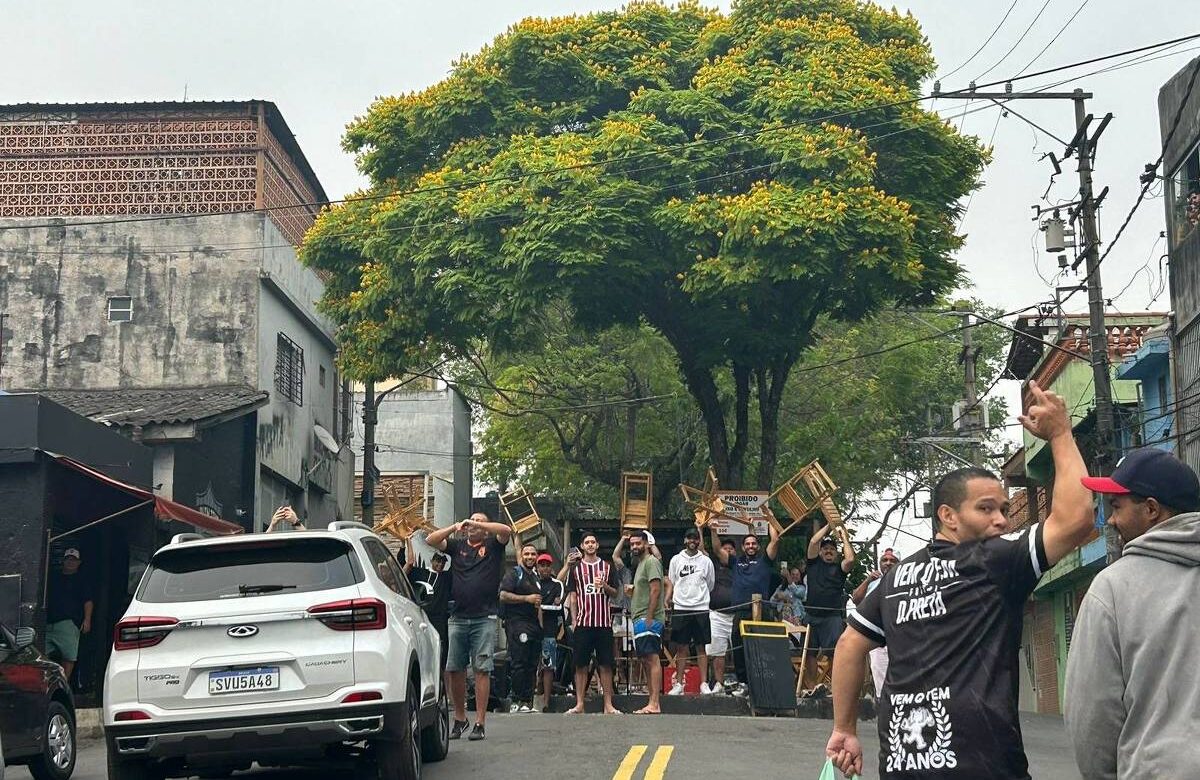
287,446
1184,260
195,300
426,431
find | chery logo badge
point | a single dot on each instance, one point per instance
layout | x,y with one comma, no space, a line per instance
242,632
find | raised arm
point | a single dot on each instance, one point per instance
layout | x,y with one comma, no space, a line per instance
814,544
1071,515
847,550
618,551
860,592
409,555
502,531
772,534
720,552
437,539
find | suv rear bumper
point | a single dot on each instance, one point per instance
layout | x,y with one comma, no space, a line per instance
247,736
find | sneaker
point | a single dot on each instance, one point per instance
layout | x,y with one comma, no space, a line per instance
705,690
716,689
739,690
525,708
476,733
514,708
459,727
676,690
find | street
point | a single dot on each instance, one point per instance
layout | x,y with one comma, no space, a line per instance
593,747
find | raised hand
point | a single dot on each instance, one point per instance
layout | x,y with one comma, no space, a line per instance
1047,416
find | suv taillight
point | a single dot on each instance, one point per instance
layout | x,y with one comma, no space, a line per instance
352,614
137,632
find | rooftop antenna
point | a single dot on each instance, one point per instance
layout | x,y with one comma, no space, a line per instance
185,86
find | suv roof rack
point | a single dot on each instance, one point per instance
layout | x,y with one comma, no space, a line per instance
344,525
188,537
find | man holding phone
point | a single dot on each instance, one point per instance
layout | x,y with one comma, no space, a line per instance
591,585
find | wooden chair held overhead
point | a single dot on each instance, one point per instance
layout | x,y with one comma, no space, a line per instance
637,491
810,488
522,515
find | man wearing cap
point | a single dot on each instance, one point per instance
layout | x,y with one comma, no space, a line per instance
690,580
554,593
68,612
951,615
521,601
879,656
826,605
434,584
1133,674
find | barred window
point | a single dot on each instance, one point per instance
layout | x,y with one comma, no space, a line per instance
120,308
289,370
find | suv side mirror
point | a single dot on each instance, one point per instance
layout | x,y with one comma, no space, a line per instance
25,637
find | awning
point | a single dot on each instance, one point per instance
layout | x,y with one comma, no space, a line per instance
164,508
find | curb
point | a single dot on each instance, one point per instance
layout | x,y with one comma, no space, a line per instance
89,725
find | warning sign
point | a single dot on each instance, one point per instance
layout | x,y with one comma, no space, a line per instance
742,504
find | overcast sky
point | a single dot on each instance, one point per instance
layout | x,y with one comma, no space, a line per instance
323,63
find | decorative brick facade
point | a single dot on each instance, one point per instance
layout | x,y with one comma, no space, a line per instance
119,160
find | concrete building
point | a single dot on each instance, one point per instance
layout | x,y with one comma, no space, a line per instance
423,451
1050,613
149,247
1181,167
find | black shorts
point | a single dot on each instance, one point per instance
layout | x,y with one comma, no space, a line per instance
647,644
691,628
586,642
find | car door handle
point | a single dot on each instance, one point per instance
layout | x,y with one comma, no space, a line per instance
408,621
424,626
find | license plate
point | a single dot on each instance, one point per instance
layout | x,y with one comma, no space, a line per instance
264,678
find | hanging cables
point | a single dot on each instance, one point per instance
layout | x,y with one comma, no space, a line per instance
985,43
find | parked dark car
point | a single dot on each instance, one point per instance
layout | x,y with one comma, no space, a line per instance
37,712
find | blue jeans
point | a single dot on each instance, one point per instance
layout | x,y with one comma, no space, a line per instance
472,642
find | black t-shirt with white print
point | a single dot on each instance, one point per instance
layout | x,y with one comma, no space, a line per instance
951,618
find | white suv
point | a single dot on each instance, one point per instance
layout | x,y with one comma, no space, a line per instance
285,648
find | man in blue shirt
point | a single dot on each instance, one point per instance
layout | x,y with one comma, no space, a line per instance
751,575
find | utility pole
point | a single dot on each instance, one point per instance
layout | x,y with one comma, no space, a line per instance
1083,145
970,425
370,417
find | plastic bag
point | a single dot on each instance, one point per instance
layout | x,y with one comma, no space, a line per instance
830,772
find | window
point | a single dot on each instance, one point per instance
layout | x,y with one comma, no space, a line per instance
120,308
321,376
247,570
1183,198
289,370
387,568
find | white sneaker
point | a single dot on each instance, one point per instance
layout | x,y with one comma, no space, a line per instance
716,689
704,689
524,708
676,690
514,709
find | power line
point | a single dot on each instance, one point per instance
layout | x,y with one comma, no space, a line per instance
627,158
978,51
1018,43
1058,34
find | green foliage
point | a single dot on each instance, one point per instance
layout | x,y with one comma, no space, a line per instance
727,180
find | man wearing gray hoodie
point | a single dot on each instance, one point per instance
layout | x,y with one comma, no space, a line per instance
1132,695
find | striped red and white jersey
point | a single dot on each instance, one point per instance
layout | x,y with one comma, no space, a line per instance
592,602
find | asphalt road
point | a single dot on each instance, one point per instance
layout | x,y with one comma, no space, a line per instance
597,747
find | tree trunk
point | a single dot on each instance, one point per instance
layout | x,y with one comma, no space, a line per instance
770,384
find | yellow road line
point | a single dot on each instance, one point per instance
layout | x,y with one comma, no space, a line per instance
630,763
658,765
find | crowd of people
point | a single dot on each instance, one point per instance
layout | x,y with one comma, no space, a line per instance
606,623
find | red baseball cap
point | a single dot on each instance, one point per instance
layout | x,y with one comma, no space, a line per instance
545,558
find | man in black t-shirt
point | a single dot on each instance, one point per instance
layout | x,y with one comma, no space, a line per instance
476,567
554,594
433,584
751,575
720,619
68,611
826,602
951,618
521,600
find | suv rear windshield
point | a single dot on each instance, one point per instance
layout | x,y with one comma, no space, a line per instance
249,569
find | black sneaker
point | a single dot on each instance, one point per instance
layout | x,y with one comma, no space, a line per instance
459,727
476,733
